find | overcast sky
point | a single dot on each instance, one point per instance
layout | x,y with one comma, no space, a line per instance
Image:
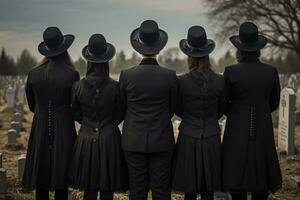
22,21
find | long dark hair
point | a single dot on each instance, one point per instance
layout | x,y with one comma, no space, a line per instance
61,58
247,57
98,69
201,70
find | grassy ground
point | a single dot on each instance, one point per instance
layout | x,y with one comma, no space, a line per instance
289,166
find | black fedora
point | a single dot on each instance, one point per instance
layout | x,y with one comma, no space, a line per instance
148,39
55,42
197,44
98,50
248,38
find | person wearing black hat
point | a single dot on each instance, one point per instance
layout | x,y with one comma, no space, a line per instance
250,162
201,102
53,134
98,162
149,92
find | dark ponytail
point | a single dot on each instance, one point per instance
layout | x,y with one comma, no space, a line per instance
202,72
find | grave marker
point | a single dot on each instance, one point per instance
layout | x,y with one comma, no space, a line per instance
12,136
16,126
21,166
286,129
10,97
3,181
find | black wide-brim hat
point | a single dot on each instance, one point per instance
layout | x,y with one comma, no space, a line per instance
98,50
248,39
148,39
197,44
55,43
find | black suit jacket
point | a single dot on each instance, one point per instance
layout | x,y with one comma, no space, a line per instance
149,94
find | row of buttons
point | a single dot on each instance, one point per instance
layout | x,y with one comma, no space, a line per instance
252,121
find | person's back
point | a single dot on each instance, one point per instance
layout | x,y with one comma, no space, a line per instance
249,159
252,82
150,94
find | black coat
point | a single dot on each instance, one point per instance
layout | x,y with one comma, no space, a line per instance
200,112
53,133
149,92
250,160
98,162
197,159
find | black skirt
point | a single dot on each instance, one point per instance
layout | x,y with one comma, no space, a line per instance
98,162
197,164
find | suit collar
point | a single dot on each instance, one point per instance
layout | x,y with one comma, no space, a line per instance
149,61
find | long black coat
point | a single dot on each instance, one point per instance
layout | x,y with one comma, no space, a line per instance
98,162
250,160
149,92
197,159
53,133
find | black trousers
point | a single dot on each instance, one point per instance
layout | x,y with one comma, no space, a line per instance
149,171
92,195
43,194
204,196
255,196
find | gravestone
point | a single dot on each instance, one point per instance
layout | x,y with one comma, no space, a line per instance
20,108
21,93
3,181
18,117
12,136
1,160
10,97
16,126
286,129
21,166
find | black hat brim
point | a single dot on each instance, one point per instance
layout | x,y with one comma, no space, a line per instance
68,41
105,57
258,45
197,52
148,49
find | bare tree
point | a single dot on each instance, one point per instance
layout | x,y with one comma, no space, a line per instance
278,20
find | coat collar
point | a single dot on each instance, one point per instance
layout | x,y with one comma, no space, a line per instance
149,61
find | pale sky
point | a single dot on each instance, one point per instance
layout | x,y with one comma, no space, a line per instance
22,21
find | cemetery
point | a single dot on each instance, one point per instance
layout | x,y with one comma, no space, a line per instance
15,124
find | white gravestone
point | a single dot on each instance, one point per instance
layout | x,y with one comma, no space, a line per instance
21,93
21,166
10,97
3,181
12,136
286,129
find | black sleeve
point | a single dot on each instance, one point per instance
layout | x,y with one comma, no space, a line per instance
173,96
76,108
275,93
30,94
122,96
179,106
227,91
119,106
222,97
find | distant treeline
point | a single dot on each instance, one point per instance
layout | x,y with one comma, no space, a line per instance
288,63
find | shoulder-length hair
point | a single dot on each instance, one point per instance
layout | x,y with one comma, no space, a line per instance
64,58
247,57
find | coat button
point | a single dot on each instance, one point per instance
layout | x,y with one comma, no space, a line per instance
96,129
97,90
